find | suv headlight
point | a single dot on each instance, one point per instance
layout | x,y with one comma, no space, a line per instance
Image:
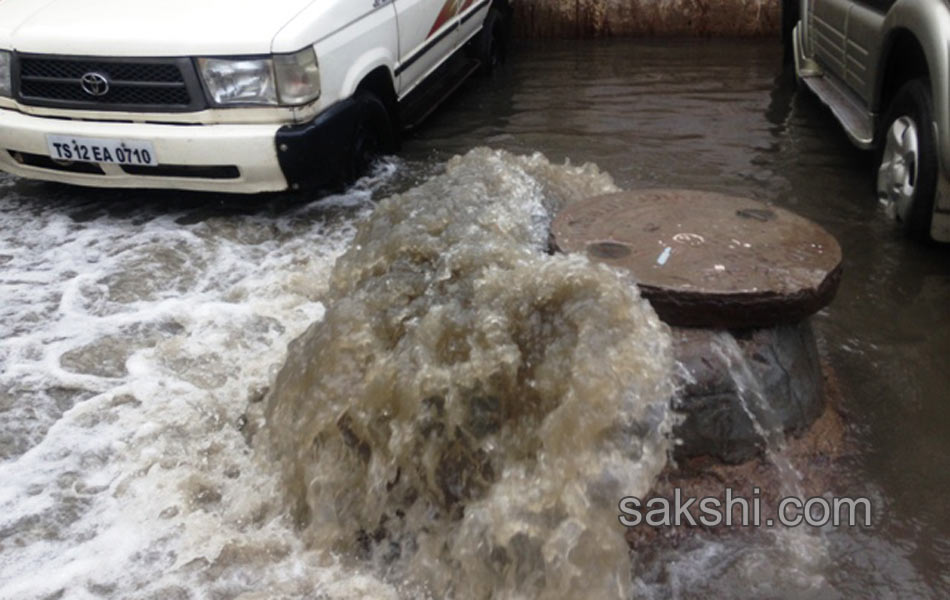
243,81
284,79
6,86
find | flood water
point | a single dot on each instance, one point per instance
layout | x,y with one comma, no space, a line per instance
140,332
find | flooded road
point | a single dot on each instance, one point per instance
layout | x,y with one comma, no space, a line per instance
136,329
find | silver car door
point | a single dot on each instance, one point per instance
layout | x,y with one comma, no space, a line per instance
828,26
865,45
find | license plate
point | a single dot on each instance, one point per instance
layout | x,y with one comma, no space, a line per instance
101,150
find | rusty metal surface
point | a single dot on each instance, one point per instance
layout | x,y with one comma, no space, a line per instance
708,260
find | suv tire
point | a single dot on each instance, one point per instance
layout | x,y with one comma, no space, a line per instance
373,137
907,159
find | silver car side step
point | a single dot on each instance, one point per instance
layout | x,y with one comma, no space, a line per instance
858,123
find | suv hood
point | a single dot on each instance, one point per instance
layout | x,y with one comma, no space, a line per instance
145,27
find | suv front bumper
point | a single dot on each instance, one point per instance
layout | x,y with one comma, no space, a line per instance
230,158
218,158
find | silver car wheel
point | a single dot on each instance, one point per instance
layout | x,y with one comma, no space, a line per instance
897,177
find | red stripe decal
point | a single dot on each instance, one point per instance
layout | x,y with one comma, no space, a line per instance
447,13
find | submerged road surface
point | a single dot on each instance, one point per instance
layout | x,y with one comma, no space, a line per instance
137,328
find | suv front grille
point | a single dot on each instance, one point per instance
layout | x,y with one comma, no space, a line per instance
139,84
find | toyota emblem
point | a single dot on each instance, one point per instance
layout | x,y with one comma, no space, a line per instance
95,84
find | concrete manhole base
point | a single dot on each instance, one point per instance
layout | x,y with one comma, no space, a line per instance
731,393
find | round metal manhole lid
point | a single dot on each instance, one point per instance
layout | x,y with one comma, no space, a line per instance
708,260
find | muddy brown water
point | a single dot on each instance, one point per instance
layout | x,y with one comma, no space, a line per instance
137,328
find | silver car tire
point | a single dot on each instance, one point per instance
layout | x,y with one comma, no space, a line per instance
899,170
907,167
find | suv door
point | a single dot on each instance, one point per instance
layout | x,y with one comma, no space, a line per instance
427,36
845,40
865,44
828,25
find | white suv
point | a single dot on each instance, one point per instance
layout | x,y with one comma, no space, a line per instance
237,96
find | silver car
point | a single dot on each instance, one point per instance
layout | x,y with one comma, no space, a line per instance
883,67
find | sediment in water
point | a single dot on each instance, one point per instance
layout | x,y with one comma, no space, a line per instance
471,408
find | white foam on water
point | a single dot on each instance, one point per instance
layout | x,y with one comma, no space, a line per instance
130,348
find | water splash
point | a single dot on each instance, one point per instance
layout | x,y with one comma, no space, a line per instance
803,551
765,420
470,410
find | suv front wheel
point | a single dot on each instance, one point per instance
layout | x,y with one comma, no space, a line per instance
907,171
373,137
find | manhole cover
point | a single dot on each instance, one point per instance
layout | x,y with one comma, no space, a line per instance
708,260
